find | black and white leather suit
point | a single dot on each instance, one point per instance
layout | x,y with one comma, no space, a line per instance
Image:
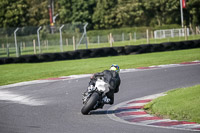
110,77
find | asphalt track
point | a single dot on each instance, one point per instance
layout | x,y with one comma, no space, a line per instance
54,107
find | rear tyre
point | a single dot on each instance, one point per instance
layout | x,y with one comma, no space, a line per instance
90,103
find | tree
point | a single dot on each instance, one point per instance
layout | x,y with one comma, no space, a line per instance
65,11
76,11
129,13
82,11
193,9
38,12
165,12
13,13
102,17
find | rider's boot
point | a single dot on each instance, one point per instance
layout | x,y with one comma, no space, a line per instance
106,100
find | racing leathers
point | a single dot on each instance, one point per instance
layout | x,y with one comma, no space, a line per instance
110,77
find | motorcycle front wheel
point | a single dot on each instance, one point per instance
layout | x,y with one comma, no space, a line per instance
89,105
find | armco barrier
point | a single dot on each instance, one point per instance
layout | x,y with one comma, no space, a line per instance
103,52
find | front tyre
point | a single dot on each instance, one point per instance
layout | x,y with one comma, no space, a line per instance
89,105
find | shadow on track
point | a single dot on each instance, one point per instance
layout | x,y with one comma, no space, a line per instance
102,112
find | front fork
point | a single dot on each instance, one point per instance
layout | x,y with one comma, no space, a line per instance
86,97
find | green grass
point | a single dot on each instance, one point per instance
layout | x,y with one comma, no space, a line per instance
179,104
13,73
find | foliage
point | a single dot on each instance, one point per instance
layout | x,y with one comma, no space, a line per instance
38,12
73,11
13,13
100,14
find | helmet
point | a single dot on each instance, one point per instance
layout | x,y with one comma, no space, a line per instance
115,68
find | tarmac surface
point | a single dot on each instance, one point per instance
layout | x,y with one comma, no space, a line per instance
53,105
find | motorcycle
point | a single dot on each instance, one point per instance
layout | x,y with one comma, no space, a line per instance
94,97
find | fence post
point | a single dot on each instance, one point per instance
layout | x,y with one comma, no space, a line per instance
172,33
111,40
85,32
84,35
147,36
7,51
186,38
38,35
74,43
34,47
61,44
16,47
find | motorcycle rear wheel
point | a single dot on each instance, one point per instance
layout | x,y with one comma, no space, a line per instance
90,103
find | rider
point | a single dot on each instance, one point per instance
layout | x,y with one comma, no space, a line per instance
112,78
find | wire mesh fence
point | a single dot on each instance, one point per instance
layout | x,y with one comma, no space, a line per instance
68,37
35,40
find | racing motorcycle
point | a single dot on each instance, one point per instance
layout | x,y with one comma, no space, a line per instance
93,99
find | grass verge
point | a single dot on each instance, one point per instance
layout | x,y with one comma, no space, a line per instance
13,73
179,104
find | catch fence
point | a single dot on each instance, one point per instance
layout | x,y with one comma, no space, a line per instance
68,37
